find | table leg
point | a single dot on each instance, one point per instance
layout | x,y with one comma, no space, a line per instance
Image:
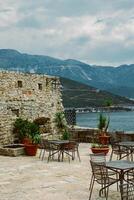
131,150
121,178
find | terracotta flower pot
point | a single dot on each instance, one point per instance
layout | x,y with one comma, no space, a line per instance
104,150
26,141
104,139
31,149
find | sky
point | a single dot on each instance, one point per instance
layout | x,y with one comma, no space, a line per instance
94,31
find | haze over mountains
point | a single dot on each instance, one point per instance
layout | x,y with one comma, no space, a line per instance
118,80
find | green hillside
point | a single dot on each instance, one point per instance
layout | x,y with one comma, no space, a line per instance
76,95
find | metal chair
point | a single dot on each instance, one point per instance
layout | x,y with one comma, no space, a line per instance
127,191
118,151
97,158
101,176
48,147
42,148
75,149
70,149
130,176
101,158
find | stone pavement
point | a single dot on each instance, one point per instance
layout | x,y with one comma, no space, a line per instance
29,178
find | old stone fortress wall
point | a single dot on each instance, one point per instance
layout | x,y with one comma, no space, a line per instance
28,96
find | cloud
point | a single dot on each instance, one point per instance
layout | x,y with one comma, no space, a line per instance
95,31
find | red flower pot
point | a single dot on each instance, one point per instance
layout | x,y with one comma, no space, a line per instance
104,150
31,149
104,139
26,141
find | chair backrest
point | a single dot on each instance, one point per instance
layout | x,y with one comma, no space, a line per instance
98,158
70,146
41,145
117,148
122,137
46,144
127,192
99,171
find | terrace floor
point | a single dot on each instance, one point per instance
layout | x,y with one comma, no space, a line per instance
29,178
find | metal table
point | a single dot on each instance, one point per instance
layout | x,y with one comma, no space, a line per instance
121,167
59,142
60,147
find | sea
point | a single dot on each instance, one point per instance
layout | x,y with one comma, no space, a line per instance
119,121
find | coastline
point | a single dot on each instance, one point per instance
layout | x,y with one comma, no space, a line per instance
105,109
119,121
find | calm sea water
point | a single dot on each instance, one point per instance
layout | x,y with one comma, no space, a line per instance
119,121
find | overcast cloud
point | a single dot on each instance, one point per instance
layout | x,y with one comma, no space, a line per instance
94,31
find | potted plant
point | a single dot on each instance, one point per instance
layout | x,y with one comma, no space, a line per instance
103,127
100,148
21,129
35,138
60,121
31,148
61,125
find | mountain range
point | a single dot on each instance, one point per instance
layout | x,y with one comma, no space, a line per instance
118,80
76,94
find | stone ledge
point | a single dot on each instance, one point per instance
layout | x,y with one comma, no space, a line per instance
12,150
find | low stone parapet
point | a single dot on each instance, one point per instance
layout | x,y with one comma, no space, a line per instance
83,134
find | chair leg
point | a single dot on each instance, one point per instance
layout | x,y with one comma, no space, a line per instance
78,155
73,155
107,190
102,191
43,154
52,155
111,156
91,189
40,153
59,155
49,155
62,154
91,182
117,182
131,155
68,157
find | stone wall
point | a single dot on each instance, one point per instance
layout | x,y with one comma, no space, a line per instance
28,96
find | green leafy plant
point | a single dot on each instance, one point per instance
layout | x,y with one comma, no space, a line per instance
36,139
25,128
65,135
95,145
103,123
21,128
60,121
34,134
61,125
